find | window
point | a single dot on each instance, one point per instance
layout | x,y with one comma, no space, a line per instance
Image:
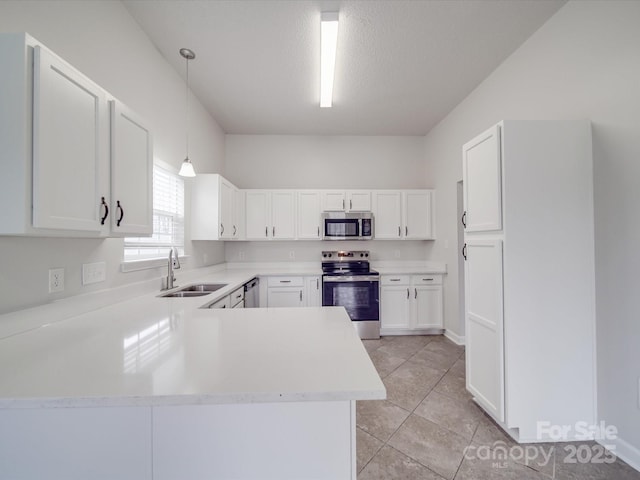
168,220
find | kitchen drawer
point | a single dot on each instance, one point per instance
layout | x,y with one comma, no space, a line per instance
285,282
395,280
222,303
237,296
426,279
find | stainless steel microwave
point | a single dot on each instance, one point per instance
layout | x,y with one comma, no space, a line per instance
347,226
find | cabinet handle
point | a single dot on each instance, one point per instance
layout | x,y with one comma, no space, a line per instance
343,203
406,231
223,306
415,293
119,207
399,231
317,284
221,229
464,251
238,296
273,231
394,279
266,231
408,293
427,279
106,211
285,281
235,230
318,232
300,295
464,219
350,204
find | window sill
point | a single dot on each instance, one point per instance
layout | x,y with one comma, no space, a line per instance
147,264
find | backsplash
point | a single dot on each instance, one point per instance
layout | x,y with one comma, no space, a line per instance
302,251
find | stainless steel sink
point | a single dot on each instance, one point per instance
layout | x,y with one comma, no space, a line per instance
185,294
196,290
203,287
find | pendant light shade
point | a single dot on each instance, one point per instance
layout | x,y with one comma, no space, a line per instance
187,170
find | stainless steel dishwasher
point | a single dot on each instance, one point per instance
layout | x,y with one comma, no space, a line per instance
251,294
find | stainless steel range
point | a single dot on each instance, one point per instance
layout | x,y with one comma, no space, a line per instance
347,281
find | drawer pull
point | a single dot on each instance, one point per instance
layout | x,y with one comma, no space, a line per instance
427,279
394,279
285,281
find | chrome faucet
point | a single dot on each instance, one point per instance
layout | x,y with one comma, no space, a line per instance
174,264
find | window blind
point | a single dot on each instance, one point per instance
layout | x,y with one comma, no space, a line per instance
168,220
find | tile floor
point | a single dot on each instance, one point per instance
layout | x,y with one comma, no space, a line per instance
428,419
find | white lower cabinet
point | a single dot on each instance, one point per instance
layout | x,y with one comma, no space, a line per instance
284,441
313,288
76,443
294,291
411,304
285,292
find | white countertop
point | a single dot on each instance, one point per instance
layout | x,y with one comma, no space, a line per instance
150,351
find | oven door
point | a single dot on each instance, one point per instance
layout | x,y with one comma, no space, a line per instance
341,228
359,295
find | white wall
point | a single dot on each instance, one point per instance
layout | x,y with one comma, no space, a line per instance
304,161
102,40
301,161
583,63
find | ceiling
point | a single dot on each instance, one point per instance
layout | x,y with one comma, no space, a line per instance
401,65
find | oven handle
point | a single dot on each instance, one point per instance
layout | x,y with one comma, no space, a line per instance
348,278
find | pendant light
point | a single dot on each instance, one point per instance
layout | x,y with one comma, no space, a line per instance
186,170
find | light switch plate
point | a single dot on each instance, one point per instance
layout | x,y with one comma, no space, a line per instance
56,280
94,272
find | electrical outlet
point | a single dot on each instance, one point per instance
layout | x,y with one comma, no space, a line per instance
94,272
56,280
292,254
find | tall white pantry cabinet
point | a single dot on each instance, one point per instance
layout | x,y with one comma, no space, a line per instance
529,274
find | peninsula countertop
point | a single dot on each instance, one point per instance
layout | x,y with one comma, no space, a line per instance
150,351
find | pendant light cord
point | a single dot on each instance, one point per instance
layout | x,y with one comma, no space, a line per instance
187,106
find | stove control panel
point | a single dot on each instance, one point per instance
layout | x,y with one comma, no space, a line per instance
345,255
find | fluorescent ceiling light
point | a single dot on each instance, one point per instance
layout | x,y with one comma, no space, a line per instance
328,45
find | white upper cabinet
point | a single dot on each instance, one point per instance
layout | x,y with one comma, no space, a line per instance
403,214
213,213
131,173
270,214
309,210
70,145
346,201
387,214
482,182
418,214
61,170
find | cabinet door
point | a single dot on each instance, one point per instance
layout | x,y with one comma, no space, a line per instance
333,201
358,201
238,214
314,293
70,146
283,215
387,215
226,210
484,324
257,211
309,215
394,307
285,297
427,306
131,173
417,215
482,182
